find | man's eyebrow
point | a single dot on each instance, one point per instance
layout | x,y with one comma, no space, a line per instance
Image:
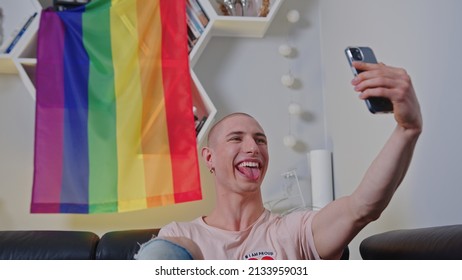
258,134
234,133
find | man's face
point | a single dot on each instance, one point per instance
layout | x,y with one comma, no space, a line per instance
239,152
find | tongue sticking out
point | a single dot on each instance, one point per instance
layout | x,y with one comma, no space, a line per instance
253,173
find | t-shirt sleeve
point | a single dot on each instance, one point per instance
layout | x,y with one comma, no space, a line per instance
180,229
171,229
307,234
300,224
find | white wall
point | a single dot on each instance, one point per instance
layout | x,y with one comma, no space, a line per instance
425,38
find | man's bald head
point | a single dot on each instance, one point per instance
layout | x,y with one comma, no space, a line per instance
212,133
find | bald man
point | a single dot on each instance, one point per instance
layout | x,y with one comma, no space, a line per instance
239,227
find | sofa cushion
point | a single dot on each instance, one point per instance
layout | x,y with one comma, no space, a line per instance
431,243
122,245
47,245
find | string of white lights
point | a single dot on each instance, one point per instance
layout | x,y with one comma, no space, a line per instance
288,79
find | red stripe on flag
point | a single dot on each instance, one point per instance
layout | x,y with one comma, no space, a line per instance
178,102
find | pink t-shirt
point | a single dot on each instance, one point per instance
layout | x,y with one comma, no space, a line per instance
272,236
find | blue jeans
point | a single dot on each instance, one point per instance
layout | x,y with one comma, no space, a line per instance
161,249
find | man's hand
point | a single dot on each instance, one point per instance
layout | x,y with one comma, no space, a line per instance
379,80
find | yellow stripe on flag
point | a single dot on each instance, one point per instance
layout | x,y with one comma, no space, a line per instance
129,105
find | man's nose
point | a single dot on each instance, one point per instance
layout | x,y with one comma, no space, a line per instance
250,146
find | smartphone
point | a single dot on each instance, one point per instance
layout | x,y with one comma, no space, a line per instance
365,54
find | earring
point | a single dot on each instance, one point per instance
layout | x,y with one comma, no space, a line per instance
212,170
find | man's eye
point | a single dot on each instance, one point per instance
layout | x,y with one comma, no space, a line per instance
261,141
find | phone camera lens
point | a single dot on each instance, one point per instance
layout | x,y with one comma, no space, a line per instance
356,54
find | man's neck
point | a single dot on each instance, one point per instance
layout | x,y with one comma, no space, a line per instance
236,214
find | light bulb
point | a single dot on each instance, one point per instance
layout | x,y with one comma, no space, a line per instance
293,16
295,108
288,80
289,141
285,50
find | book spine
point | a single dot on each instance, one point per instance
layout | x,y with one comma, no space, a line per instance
192,38
197,21
199,12
194,22
200,124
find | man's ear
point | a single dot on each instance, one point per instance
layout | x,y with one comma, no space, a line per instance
207,156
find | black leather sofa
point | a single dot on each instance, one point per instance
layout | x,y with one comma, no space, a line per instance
76,245
430,243
72,245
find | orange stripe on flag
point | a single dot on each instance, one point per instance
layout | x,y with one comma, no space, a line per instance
155,138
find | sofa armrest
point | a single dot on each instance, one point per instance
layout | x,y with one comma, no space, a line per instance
345,254
432,243
122,245
47,245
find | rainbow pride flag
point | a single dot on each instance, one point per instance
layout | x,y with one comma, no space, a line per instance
114,122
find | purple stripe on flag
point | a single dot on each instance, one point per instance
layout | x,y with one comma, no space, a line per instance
49,116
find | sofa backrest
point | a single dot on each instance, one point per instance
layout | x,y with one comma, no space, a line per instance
429,243
122,245
48,245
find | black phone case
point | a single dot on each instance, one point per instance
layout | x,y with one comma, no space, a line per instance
374,104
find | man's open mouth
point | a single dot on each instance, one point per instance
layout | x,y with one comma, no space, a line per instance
250,169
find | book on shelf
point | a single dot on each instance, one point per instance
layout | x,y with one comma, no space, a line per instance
200,124
195,28
198,12
196,20
192,39
17,34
